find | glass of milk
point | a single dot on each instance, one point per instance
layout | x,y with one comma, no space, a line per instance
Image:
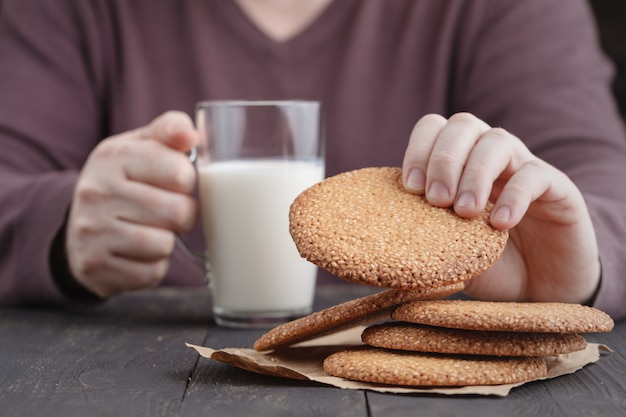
253,160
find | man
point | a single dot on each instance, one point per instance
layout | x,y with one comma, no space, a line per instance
504,100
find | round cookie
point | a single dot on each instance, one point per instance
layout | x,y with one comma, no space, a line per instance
362,226
506,316
420,338
418,369
349,314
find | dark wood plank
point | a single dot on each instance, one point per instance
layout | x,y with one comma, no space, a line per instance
217,389
220,390
530,400
128,357
124,358
600,388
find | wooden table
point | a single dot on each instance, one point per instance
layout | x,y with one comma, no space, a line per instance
128,358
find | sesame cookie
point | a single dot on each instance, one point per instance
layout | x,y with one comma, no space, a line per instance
418,369
506,316
351,313
415,337
362,226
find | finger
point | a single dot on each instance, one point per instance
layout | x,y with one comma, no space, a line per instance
93,262
449,155
174,129
140,243
143,204
124,157
116,275
152,163
104,191
495,156
418,151
535,181
92,238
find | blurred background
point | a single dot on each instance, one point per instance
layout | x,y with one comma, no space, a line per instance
611,19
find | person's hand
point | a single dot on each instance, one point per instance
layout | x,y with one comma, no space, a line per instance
132,196
552,253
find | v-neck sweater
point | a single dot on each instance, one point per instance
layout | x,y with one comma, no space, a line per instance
74,72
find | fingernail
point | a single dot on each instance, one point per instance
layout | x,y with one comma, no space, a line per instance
466,199
416,179
438,191
502,213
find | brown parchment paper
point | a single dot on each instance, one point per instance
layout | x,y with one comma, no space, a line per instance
304,362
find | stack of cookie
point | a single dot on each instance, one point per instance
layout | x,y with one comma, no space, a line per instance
454,342
363,227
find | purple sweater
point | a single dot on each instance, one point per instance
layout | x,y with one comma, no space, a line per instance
73,72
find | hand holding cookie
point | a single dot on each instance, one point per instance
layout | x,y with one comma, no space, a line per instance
364,227
552,253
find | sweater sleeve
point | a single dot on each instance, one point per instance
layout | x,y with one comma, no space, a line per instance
49,122
536,69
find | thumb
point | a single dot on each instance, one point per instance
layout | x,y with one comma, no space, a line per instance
174,129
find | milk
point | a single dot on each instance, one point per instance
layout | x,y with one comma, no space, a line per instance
245,210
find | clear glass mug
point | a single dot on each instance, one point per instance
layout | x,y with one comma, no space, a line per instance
253,159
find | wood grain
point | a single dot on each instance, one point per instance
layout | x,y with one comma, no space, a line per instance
128,358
